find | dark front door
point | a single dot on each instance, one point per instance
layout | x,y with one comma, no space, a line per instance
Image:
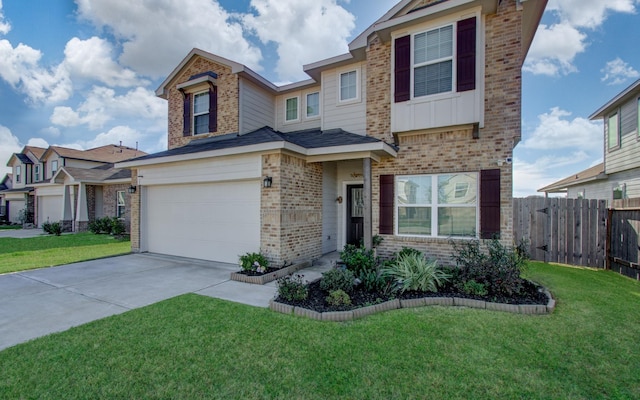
355,214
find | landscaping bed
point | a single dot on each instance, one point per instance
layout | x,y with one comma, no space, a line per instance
271,274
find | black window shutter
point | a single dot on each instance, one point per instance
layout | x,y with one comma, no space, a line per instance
213,109
386,204
489,203
186,118
466,54
402,69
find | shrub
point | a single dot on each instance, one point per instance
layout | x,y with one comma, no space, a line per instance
52,228
498,270
408,251
293,288
474,288
358,259
254,262
117,226
107,225
338,298
337,279
414,272
374,281
46,227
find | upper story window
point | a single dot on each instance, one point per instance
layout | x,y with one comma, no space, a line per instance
349,85
54,167
121,205
437,205
313,105
36,173
613,131
291,109
433,61
201,113
18,173
638,116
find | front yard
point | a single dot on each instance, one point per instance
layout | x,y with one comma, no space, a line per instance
47,251
198,347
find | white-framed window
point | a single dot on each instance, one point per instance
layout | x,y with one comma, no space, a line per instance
613,130
291,109
313,105
36,172
638,117
201,113
121,206
54,167
18,173
433,61
348,86
443,205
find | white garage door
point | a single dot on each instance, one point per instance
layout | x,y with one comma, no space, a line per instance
213,221
49,208
15,207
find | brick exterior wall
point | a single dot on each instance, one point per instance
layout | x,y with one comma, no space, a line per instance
227,83
291,210
134,213
109,202
453,149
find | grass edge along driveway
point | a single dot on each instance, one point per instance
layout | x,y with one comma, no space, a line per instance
198,347
47,251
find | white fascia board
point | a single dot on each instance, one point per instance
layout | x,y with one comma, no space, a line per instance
620,98
197,81
353,148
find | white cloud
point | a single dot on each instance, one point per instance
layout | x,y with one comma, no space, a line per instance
554,49
157,35
556,131
38,142
125,134
5,27
20,68
92,59
9,144
51,131
528,177
103,105
617,72
589,13
303,30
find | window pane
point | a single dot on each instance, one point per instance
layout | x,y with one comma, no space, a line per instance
348,85
420,48
612,131
121,198
413,189
292,109
433,79
201,103
313,105
357,202
54,166
414,220
460,221
457,189
201,124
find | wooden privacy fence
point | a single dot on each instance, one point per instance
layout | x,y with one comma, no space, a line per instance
624,243
567,231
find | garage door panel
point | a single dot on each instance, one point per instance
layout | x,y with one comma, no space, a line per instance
217,221
49,208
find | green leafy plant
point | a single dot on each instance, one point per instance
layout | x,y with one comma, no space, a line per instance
107,225
415,273
52,228
337,279
358,258
474,288
338,298
293,288
498,269
254,262
373,281
117,226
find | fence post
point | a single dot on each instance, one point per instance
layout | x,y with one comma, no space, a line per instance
607,253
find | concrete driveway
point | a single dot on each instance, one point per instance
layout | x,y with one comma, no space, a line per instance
21,233
38,302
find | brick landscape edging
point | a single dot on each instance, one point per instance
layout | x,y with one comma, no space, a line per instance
342,316
262,279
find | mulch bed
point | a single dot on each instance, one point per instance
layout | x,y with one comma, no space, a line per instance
255,273
532,294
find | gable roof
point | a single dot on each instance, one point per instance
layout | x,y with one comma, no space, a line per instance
102,174
312,142
590,174
619,99
110,153
37,151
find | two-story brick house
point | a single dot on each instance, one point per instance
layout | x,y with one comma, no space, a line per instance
618,177
26,170
407,136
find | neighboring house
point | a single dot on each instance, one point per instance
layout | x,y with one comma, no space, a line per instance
69,185
619,176
26,170
407,136
5,184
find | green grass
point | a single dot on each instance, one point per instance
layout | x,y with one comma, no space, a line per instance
196,347
46,251
7,227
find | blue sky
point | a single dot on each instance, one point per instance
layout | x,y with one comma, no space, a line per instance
82,73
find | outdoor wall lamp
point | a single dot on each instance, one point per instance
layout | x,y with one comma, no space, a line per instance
339,199
132,189
267,181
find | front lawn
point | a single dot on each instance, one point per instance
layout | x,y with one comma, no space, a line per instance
7,227
46,251
197,347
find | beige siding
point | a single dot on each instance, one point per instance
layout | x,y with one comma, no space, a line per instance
625,157
350,116
80,163
257,107
329,208
303,122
